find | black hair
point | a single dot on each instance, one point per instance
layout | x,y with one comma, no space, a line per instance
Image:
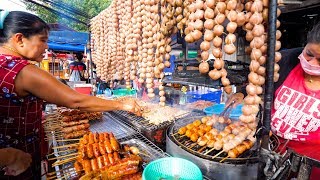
79,56
314,34
21,22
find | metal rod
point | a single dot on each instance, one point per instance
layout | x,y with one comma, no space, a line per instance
269,87
90,56
268,96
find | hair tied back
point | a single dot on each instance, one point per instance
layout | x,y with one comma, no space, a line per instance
3,15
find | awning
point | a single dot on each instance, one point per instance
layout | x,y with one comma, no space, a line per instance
65,47
67,41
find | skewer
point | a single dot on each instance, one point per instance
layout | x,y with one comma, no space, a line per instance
202,148
174,134
193,145
224,159
60,157
61,151
54,172
147,155
58,163
64,146
64,140
217,154
53,130
209,151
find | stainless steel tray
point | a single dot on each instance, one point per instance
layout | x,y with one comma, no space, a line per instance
125,135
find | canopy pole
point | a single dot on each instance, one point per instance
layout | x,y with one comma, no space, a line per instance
269,87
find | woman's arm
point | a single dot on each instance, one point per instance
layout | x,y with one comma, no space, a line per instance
40,83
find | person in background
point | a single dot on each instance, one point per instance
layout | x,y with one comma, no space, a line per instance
77,69
296,108
24,87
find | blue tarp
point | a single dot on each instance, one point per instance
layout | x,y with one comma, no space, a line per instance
67,40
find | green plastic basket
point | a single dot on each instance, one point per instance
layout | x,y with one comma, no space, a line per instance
172,168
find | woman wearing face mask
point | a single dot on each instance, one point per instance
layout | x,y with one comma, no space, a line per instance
296,109
23,87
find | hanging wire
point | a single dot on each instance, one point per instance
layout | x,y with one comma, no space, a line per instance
67,7
57,12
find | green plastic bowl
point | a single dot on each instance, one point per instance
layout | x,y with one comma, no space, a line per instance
171,168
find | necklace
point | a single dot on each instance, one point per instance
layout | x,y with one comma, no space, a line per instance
310,79
10,49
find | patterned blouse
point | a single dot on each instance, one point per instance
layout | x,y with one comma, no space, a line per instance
20,117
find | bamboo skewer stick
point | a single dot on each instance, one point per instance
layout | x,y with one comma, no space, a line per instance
54,172
209,151
60,152
147,155
64,140
202,148
174,134
193,145
217,154
224,159
61,157
60,162
65,146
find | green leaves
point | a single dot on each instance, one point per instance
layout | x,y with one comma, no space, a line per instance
89,7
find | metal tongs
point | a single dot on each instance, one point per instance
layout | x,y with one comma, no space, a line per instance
231,103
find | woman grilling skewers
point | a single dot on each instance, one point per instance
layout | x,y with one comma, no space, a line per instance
296,109
23,38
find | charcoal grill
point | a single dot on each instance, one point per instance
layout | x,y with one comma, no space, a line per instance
243,167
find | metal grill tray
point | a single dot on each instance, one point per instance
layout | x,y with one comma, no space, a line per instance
148,151
250,156
124,134
109,124
141,123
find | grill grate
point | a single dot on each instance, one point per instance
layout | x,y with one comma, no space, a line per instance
124,134
186,144
108,124
141,123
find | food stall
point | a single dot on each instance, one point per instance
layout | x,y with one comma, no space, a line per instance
131,42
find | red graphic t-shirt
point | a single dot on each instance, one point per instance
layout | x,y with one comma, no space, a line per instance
20,117
296,114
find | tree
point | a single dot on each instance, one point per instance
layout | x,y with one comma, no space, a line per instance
88,7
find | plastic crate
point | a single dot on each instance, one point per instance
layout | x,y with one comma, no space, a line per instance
213,96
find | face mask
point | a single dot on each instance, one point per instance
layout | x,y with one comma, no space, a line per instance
307,67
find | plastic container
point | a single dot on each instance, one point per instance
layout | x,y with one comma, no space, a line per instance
124,92
83,88
213,96
172,168
218,108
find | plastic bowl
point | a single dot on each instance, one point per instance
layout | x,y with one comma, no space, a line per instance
172,168
218,108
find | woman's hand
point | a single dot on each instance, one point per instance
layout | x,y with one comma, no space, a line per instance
18,162
132,106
